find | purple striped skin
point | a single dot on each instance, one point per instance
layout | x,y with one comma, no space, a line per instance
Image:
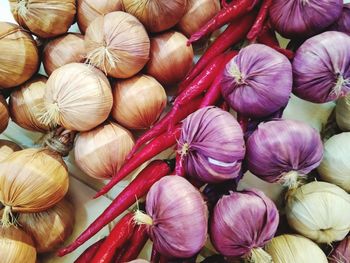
242,221
180,217
281,146
343,23
258,81
341,254
321,67
216,145
302,18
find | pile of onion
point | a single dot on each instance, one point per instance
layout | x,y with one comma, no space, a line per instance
321,67
63,50
26,103
101,152
19,58
77,97
44,18
88,10
211,145
156,15
343,23
170,58
258,81
4,114
138,101
118,44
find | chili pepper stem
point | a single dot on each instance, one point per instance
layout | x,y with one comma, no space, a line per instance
142,218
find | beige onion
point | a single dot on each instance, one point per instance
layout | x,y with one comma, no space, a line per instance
101,152
138,101
49,228
4,114
19,58
16,246
44,18
171,58
118,44
6,148
77,97
342,113
294,249
198,13
156,15
63,50
319,211
88,10
26,103
335,166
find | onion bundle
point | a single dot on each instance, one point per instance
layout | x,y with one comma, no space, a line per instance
258,81
294,249
88,10
284,151
321,67
341,253
43,17
101,152
118,44
63,50
176,217
50,228
319,211
77,97
302,18
211,145
138,102
171,58
19,58
26,103
242,223
16,246
156,15
342,113
6,148
343,23
335,166
4,114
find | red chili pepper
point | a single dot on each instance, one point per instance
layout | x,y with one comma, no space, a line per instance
89,252
213,94
136,243
156,146
162,125
234,33
135,190
155,256
268,37
260,20
231,12
117,238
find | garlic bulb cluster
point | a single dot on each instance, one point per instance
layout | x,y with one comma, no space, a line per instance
335,166
44,18
138,101
342,113
118,44
319,211
77,97
49,228
171,58
26,103
294,249
4,114
19,58
156,15
16,246
101,152
88,10
6,148
63,50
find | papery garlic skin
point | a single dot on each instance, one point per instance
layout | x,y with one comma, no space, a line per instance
341,253
342,113
4,114
44,18
319,211
101,152
335,166
294,249
6,148
138,101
